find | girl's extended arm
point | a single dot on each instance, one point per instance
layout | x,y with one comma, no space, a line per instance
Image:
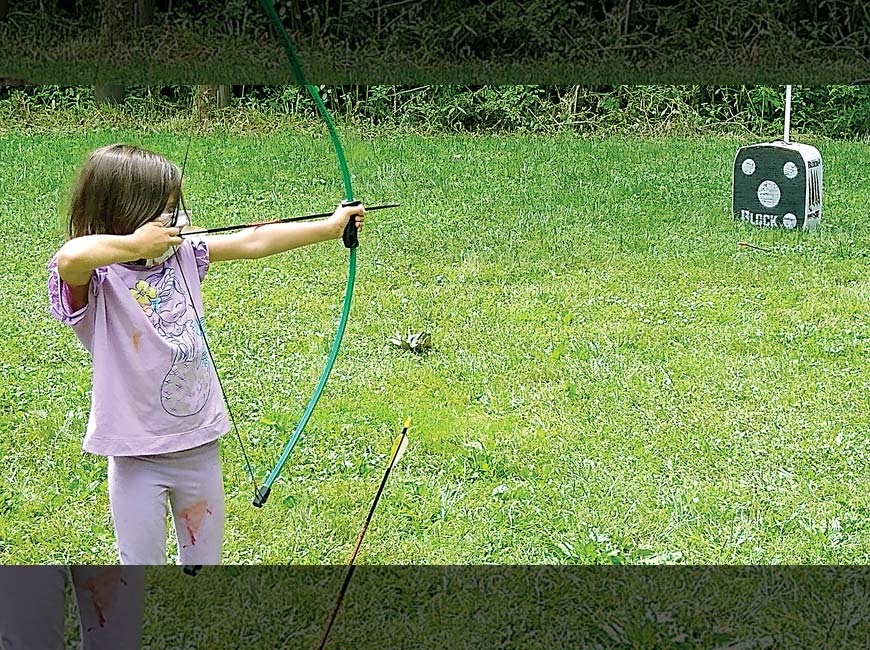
262,241
78,258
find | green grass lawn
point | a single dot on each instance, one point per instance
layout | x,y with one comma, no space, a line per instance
613,379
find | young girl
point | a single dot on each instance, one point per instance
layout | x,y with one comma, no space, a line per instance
129,286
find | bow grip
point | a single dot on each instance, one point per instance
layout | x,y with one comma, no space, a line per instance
349,235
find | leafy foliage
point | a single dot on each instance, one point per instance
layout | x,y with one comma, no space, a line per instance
828,111
484,41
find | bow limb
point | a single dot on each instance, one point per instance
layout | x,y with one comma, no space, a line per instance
263,492
284,37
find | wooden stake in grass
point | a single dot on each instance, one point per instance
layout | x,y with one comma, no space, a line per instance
399,445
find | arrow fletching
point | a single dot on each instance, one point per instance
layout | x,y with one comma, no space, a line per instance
400,444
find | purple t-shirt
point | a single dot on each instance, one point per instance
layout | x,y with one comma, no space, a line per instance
154,390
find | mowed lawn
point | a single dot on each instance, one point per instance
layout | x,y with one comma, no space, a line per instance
613,379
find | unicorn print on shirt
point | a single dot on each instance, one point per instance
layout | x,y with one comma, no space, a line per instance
187,385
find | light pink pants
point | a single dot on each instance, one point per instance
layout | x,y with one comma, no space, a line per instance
144,489
110,602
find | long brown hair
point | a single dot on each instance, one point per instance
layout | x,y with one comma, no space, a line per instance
119,188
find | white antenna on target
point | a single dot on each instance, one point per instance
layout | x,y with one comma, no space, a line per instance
787,114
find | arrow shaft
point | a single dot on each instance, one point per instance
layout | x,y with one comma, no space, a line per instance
305,217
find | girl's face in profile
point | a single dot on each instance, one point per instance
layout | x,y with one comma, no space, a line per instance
172,216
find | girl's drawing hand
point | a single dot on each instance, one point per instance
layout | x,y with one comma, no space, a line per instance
342,215
153,239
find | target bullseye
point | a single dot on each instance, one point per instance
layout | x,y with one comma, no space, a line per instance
769,194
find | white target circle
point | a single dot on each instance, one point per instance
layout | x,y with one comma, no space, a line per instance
768,194
790,169
789,220
748,167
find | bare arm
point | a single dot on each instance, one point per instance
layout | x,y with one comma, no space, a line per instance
273,238
78,258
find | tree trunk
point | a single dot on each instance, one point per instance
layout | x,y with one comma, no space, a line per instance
144,12
209,98
117,19
112,94
223,96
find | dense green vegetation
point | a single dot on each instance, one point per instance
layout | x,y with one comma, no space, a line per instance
369,41
841,112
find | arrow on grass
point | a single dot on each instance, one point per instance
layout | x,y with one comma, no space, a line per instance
399,445
743,244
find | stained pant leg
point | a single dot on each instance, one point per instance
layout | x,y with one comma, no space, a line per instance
198,507
111,602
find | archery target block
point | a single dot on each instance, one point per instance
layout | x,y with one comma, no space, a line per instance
778,184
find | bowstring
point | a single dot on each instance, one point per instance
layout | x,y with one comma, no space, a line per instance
201,321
